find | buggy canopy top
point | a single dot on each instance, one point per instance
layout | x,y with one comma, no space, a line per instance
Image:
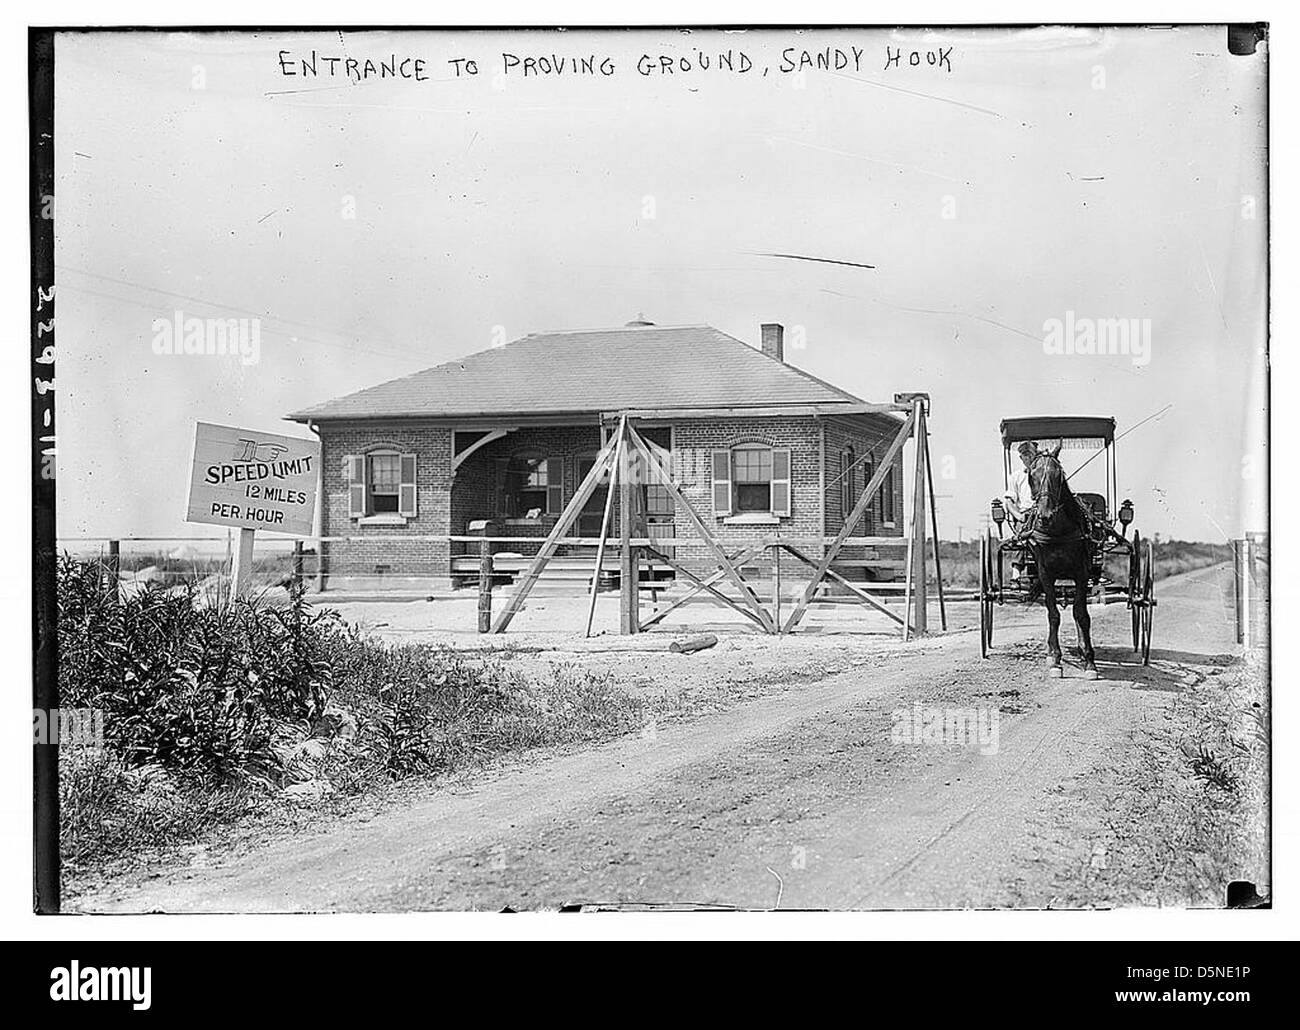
1076,430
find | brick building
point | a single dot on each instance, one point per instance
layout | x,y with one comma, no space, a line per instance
758,447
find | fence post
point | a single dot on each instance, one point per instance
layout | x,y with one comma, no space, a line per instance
296,567
1236,586
919,513
629,566
114,566
320,565
776,586
241,568
1246,587
484,526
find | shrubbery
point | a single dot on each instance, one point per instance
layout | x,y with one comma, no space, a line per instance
191,688
209,709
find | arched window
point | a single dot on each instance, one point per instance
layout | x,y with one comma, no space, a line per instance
751,479
385,471
381,482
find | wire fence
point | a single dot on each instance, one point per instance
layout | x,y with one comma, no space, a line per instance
434,563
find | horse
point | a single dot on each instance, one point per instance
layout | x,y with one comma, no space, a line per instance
1060,539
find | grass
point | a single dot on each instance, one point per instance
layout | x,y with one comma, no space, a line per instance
109,809
1182,810
215,714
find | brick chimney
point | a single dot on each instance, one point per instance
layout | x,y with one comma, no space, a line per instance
774,340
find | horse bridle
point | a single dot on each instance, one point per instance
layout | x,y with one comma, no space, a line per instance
1054,495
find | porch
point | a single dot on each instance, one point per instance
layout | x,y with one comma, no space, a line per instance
519,479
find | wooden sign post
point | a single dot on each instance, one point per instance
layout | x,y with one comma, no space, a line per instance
252,480
241,566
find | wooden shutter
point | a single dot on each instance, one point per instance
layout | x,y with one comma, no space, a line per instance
554,486
358,488
406,492
721,482
781,481
874,505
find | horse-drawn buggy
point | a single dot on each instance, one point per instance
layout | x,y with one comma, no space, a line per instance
1055,540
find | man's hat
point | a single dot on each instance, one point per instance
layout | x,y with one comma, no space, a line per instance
1028,447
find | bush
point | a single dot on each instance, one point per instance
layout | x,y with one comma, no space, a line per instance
191,688
430,709
207,690
207,707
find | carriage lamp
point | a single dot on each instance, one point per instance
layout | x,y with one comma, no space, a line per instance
999,514
1126,513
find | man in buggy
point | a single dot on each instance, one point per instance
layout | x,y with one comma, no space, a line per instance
1018,501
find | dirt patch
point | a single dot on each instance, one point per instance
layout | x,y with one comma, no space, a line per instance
773,776
1173,811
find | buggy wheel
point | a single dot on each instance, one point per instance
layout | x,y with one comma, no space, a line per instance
1135,588
986,595
1148,602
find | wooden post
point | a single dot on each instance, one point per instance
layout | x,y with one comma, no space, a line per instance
629,567
320,564
776,586
484,526
241,571
615,468
296,566
1246,585
909,566
934,525
113,566
918,522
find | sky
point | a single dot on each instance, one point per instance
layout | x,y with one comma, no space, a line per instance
999,181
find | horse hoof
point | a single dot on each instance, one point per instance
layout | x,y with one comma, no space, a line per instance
1090,674
1054,672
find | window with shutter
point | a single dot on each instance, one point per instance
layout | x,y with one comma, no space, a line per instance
384,482
751,475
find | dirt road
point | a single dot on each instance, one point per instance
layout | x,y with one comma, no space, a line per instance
820,797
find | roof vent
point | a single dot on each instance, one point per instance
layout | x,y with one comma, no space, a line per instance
639,322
